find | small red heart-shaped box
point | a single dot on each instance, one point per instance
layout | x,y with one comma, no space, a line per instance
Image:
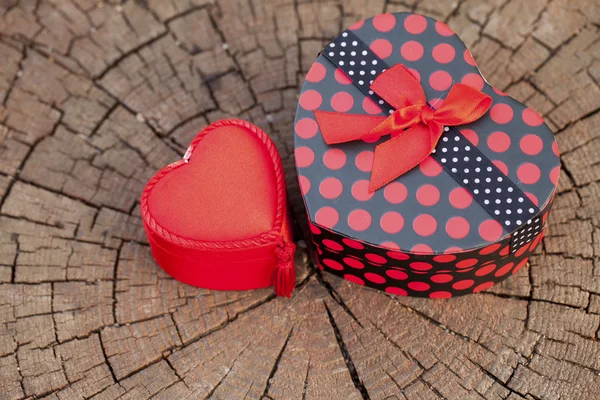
218,218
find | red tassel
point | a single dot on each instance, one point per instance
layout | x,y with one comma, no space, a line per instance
285,273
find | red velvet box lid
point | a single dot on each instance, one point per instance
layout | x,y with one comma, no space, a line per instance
216,218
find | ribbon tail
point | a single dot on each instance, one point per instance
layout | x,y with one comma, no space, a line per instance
399,155
341,128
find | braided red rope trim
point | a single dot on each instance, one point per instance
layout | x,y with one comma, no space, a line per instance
262,239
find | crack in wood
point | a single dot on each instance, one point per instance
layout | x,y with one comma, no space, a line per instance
276,363
346,355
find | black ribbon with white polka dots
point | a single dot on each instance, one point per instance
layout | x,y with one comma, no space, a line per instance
527,233
359,63
497,194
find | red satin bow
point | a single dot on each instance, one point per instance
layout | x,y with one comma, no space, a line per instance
399,88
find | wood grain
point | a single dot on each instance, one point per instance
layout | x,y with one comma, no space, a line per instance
96,96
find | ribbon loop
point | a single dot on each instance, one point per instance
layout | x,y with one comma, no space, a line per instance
417,125
464,104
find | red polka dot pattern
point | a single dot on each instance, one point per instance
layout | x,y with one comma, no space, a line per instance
555,149
306,128
383,48
331,188
528,173
371,139
420,266
536,241
327,217
415,24
501,113
334,159
375,278
415,73
444,258
501,166
353,263
490,230
498,142
396,291
360,190
304,156
428,195
554,175
427,208
462,285
412,50
310,100
425,225
520,265
504,269
355,279
441,278
370,107
421,249
444,53
483,286
443,29
473,80
471,135
304,184
333,264
430,167
364,161
531,144
499,92
521,251
342,78
469,58
395,192
398,256
397,274
490,249
485,270
392,222
532,197
316,73
359,220
466,263
532,118
457,227
418,286
353,243
384,22
376,258
357,25
460,198
314,229
342,101
440,295
440,80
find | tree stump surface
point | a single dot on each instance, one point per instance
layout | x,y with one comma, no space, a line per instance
97,96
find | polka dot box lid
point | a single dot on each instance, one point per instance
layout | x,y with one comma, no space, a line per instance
427,221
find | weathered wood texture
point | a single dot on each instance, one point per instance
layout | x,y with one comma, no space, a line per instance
96,96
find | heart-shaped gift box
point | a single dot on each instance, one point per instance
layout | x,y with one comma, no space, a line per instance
469,214
218,218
